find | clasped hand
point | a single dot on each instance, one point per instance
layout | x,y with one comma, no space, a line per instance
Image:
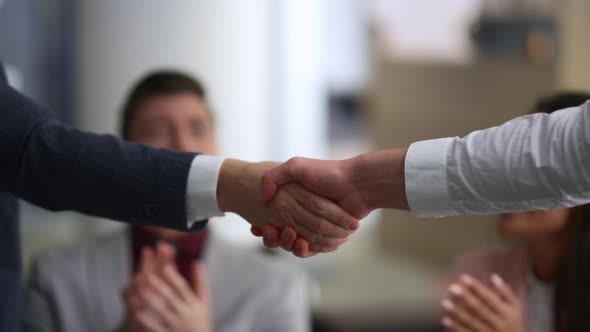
308,206
159,299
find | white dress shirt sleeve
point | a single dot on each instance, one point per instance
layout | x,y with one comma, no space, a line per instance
538,161
201,189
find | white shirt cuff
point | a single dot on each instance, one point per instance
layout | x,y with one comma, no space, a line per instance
426,178
201,189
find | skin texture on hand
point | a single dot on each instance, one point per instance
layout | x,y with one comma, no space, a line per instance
359,185
159,299
321,222
472,306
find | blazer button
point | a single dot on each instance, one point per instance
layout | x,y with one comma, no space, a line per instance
151,211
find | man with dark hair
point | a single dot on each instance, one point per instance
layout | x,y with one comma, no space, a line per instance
158,83
78,288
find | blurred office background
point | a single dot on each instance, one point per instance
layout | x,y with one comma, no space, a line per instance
324,79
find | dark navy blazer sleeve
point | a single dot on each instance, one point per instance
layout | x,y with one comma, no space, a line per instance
61,168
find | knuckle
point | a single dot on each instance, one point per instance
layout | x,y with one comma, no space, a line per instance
281,205
294,161
324,241
343,220
295,165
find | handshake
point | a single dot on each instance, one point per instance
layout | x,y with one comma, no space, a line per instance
310,206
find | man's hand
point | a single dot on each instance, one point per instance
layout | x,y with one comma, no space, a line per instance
321,222
359,185
159,299
472,306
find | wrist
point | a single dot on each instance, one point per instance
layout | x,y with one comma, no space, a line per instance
228,183
238,185
379,178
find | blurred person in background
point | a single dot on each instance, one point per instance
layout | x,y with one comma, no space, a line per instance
540,285
161,272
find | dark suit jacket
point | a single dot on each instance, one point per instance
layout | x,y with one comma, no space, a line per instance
61,168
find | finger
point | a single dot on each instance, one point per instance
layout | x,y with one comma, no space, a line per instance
301,249
155,305
291,213
200,282
329,249
311,236
150,323
177,283
340,221
287,238
148,260
165,293
504,290
256,231
165,252
465,309
326,250
156,258
135,305
272,179
491,301
270,236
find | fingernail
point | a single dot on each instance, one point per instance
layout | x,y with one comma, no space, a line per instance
448,305
497,281
447,322
456,289
467,280
354,226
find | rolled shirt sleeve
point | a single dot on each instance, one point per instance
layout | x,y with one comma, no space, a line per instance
538,161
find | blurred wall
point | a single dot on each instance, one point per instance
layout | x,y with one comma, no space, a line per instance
574,57
224,43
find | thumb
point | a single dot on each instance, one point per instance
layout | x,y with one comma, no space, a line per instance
200,283
278,176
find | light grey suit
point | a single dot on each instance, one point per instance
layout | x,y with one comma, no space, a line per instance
78,288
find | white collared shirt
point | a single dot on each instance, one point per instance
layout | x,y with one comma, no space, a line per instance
538,161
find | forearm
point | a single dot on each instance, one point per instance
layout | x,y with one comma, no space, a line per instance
61,168
379,177
534,162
